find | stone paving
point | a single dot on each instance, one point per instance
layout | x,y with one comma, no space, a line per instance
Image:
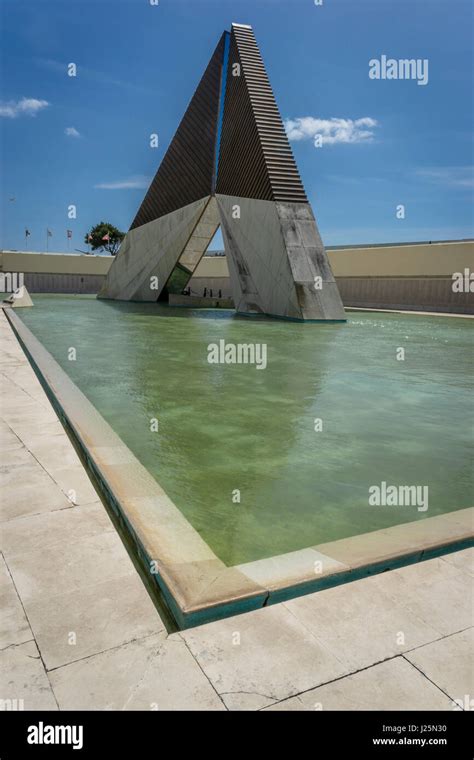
79,631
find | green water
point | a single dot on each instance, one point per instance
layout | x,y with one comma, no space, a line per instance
227,427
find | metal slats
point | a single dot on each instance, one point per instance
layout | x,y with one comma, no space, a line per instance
242,169
256,160
186,171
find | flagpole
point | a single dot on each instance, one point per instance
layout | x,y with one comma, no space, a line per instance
47,241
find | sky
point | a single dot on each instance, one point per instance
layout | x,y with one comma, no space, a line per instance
84,141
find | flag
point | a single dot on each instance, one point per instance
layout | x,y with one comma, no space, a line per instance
89,237
49,233
106,237
27,233
69,234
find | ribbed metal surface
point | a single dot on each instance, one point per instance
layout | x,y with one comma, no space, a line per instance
186,172
255,158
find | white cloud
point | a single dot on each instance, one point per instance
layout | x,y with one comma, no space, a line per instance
71,132
23,107
332,131
131,183
451,176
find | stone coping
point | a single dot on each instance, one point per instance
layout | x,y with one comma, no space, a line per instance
196,585
418,313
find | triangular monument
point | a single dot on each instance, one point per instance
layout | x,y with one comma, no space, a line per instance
230,164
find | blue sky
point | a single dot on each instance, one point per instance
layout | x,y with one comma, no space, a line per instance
138,65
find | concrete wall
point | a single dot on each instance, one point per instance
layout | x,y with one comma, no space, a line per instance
411,293
199,302
63,283
197,285
212,272
404,276
414,276
57,272
65,263
403,259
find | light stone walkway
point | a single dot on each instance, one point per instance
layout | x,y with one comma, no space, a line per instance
79,631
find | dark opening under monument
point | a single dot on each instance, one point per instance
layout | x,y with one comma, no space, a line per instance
230,164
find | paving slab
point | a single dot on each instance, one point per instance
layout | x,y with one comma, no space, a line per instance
70,626
390,685
74,483
265,654
16,455
54,452
153,673
23,679
27,413
27,490
69,566
40,532
27,430
8,439
434,591
463,560
360,623
449,663
12,393
21,377
14,628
